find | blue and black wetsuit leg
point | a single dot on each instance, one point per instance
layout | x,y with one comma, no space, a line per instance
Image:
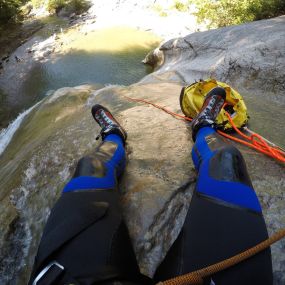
224,218
85,239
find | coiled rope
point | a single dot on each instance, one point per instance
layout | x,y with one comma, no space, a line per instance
253,140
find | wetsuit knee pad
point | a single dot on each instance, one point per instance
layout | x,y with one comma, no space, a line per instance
101,169
227,164
223,177
90,166
95,164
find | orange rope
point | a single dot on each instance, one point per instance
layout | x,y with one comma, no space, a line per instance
254,141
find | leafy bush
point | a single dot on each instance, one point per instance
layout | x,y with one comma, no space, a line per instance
38,3
269,9
219,13
72,6
54,6
181,6
160,10
79,6
27,8
10,10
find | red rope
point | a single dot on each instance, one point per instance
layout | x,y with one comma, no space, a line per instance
254,141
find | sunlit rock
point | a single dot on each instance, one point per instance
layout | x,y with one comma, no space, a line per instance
159,179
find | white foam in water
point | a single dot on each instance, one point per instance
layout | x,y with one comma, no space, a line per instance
7,134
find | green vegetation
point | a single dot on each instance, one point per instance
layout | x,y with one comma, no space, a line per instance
161,11
37,3
216,13
181,6
10,11
220,13
72,6
54,6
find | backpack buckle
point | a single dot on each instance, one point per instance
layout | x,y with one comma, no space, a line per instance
51,272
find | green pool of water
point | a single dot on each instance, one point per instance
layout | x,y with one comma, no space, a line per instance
111,56
106,56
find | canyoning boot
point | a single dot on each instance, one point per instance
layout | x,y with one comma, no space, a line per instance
212,106
107,122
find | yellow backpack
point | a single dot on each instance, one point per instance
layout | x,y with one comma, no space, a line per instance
192,98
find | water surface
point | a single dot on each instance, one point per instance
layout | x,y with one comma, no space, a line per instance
108,56
266,118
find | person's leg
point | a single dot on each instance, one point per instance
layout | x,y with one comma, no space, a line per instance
85,233
100,169
224,216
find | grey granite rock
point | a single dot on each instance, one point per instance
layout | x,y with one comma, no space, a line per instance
250,57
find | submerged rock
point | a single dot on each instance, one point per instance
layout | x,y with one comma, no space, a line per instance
154,58
159,179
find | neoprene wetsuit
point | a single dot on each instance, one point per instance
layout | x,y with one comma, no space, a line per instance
86,241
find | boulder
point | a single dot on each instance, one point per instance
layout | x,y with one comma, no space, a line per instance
250,57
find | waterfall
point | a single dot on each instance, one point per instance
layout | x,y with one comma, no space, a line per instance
7,134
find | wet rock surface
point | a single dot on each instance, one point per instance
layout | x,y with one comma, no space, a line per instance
156,188
159,179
